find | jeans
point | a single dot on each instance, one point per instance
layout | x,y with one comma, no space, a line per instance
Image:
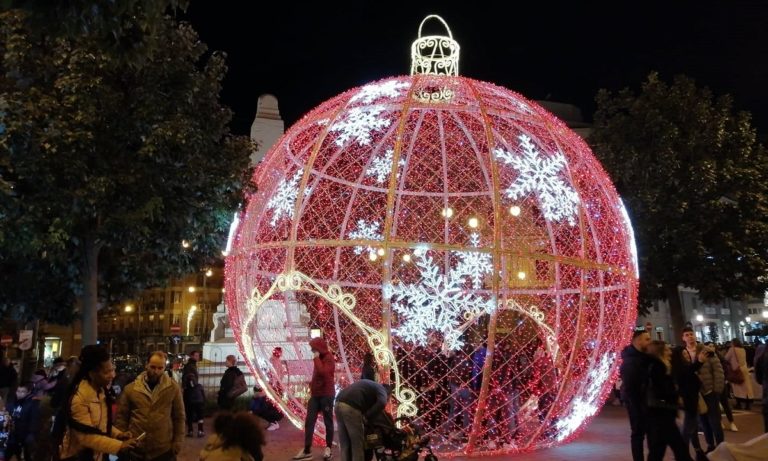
315,406
351,432
691,428
713,431
639,426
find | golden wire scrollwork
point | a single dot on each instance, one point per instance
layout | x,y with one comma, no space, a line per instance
435,54
441,95
345,302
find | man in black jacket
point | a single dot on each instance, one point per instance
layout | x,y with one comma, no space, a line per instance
232,384
634,379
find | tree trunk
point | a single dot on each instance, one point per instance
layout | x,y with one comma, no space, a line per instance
90,300
675,311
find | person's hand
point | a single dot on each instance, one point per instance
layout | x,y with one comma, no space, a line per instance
316,354
703,356
129,445
125,436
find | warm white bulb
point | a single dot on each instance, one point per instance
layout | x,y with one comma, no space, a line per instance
208,273
191,289
184,244
699,318
473,223
765,314
748,319
514,210
521,275
447,212
373,256
381,252
407,257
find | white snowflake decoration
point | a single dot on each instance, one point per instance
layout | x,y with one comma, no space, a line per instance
381,166
440,302
284,200
365,231
370,93
542,176
586,404
358,124
474,264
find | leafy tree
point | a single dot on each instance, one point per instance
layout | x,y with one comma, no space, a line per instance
109,158
694,179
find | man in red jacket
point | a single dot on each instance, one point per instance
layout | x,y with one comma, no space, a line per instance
322,392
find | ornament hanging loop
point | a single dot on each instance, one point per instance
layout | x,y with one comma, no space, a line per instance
435,54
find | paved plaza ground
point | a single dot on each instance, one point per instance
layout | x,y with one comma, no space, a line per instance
605,439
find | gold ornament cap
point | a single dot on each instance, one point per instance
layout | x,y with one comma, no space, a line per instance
435,54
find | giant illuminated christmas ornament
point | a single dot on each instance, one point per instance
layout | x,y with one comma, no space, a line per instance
458,232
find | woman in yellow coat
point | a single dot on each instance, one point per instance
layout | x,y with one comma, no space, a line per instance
88,415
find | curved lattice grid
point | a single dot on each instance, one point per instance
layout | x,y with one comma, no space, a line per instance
461,233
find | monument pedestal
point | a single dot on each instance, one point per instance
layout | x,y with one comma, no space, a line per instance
217,351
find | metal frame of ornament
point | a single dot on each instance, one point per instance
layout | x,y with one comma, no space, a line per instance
345,302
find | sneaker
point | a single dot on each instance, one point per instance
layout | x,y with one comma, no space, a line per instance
200,434
734,428
273,427
327,453
302,455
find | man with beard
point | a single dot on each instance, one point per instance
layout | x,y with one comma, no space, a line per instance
634,379
152,404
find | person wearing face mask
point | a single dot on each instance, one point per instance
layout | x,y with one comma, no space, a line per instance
322,390
152,404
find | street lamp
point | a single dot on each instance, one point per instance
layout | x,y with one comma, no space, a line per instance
207,273
190,315
699,320
129,308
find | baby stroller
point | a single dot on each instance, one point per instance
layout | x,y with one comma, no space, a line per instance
392,443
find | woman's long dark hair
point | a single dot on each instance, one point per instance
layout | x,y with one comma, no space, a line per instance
91,359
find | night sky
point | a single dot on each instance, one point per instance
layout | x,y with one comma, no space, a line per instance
306,54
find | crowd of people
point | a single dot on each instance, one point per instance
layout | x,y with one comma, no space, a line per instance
697,379
71,412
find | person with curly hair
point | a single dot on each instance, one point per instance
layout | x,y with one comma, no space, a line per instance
237,437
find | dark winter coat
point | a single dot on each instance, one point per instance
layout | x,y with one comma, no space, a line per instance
262,407
712,376
26,420
366,396
322,384
684,370
192,390
634,376
226,386
661,391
